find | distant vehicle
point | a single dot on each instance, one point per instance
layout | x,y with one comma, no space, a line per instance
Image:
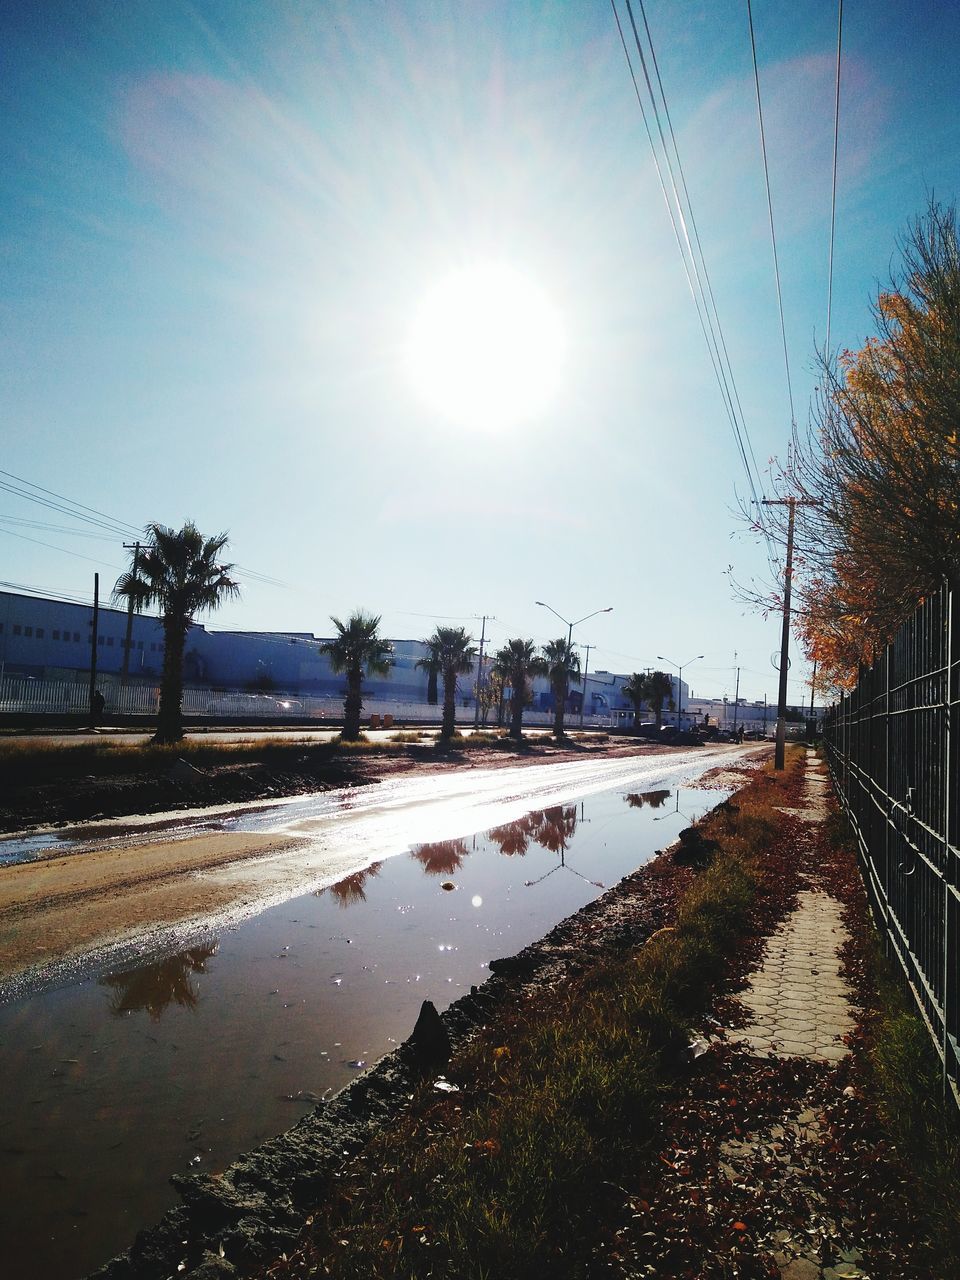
648,730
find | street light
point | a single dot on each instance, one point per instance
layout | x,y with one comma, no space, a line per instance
570,625
661,658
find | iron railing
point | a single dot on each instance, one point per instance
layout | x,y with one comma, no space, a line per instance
894,750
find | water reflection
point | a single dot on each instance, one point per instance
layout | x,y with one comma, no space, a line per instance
154,987
442,857
351,888
551,828
655,799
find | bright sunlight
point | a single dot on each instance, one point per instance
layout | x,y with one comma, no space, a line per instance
485,348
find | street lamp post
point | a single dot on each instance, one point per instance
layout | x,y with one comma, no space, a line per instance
570,625
661,658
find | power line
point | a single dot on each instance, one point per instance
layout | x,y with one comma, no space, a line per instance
90,515
21,523
76,554
696,236
773,236
26,588
91,511
693,260
833,195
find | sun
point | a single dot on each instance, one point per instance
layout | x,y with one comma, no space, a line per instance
485,348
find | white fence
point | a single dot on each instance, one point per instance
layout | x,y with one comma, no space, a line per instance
25,695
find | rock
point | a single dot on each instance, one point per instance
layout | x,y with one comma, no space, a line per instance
695,850
213,1267
429,1040
513,966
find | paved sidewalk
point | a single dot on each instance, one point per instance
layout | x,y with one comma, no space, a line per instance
799,1002
801,1007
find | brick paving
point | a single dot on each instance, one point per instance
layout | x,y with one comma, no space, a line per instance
799,1003
800,1006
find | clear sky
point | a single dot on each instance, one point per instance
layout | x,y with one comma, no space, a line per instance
223,226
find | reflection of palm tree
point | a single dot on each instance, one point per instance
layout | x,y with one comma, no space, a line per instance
350,889
551,828
654,799
442,858
556,827
513,838
156,986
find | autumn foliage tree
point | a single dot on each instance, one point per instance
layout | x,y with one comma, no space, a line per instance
878,474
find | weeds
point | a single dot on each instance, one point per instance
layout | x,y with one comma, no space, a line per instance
506,1178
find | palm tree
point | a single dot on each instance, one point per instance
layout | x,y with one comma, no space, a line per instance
638,692
563,666
519,662
454,655
180,573
357,648
430,663
659,691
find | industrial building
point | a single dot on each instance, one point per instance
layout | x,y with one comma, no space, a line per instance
50,640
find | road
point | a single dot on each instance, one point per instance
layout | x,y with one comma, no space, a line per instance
106,889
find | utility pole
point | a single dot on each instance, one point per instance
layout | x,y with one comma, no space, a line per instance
736,698
586,668
483,636
125,670
813,686
93,642
779,752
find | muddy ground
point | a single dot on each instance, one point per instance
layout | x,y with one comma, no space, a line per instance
49,792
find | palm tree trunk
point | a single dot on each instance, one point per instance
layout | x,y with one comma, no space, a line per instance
559,701
353,706
170,711
449,721
516,712
658,714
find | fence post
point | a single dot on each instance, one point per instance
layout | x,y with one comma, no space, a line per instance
949,699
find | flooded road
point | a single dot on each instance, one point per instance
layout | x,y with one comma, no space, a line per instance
180,1059
108,891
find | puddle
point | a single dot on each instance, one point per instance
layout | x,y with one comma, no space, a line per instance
27,848
182,1063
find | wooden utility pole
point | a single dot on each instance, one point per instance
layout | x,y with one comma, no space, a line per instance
586,668
483,636
93,643
736,701
791,503
125,670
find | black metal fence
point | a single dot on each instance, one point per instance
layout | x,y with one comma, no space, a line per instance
894,751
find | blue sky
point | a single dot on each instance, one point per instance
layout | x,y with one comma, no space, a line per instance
217,221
